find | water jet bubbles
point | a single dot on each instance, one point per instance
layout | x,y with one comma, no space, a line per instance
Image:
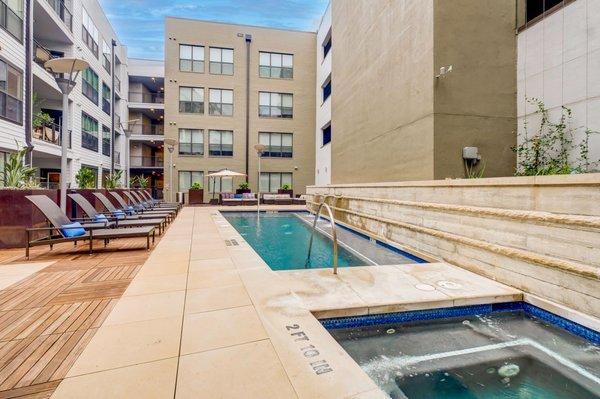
390,331
508,370
466,322
491,370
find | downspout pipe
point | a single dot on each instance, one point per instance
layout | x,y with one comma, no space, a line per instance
28,125
248,39
113,109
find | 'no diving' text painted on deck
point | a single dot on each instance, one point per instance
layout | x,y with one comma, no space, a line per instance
308,350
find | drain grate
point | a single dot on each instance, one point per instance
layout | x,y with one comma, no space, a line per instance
231,243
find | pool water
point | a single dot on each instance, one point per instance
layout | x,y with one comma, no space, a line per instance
508,354
281,239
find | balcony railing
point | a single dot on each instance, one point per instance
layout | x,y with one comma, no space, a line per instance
118,157
117,123
117,84
50,133
106,146
150,129
148,98
63,12
11,21
89,140
146,162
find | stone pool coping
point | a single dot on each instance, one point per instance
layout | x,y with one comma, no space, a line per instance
205,319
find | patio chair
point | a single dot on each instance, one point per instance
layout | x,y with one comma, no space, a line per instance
136,200
136,208
144,194
58,229
93,214
121,213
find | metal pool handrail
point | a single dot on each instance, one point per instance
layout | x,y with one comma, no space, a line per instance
333,234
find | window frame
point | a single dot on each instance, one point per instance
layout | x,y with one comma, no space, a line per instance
323,129
191,153
271,107
191,181
192,60
18,35
106,106
94,96
17,101
220,155
280,181
270,67
220,63
105,140
268,153
326,90
95,134
191,102
220,104
88,36
212,183
106,55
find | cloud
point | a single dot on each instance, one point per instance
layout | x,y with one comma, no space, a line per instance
140,23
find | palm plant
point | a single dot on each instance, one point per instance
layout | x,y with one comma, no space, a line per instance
143,181
15,173
85,178
113,180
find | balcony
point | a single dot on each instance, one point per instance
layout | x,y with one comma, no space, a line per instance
147,98
41,54
117,84
10,21
50,133
117,157
148,129
63,12
146,162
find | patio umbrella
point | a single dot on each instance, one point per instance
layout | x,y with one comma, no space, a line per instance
224,173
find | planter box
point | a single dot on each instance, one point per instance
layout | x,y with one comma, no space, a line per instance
242,190
196,196
17,214
282,191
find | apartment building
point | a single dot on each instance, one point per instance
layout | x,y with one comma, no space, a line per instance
145,125
229,87
323,101
394,118
558,62
30,101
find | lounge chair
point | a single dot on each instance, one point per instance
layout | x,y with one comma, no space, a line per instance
145,195
136,200
93,214
122,214
58,232
131,208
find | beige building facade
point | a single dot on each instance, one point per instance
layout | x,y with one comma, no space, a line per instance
392,119
224,83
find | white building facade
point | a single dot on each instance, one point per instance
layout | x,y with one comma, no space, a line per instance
323,93
77,28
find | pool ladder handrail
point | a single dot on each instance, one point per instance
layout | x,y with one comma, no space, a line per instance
333,234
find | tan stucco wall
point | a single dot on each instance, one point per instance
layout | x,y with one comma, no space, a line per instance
540,235
382,102
301,44
475,105
392,120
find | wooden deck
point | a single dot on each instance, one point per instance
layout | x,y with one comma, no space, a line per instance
47,319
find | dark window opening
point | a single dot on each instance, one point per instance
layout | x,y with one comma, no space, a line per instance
326,135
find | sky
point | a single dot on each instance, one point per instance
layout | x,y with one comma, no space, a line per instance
140,23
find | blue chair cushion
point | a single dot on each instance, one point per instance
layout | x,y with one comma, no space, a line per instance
119,214
238,196
71,230
130,210
100,218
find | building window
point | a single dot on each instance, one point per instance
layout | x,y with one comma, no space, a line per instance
326,134
272,181
106,56
327,89
327,46
105,140
89,132
105,98
220,185
220,143
220,102
11,93
278,145
89,85
191,142
11,17
276,65
188,177
221,61
535,8
275,105
89,32
191,58
191,100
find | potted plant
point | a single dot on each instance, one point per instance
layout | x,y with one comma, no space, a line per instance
195,194
286,189
243,188
85,178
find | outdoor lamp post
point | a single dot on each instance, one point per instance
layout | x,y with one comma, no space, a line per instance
260,148
65,72
170,144
130,125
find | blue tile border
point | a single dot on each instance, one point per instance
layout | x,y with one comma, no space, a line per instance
459,311
401,252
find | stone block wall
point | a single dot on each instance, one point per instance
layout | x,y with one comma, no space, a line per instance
541,235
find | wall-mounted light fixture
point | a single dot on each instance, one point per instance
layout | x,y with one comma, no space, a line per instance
445,70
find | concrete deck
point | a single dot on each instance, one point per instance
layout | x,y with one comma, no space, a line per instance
205,320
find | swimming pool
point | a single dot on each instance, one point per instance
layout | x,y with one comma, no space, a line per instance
512,350
282,239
